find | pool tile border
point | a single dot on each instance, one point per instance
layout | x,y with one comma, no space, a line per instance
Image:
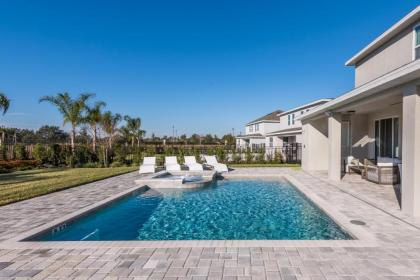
363,237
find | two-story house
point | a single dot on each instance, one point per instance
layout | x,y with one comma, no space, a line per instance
380,118
290,127
256,130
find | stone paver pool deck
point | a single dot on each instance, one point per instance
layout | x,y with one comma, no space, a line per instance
393,254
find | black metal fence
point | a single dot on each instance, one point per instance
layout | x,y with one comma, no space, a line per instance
292,152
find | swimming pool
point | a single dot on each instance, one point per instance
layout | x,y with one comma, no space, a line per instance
225,210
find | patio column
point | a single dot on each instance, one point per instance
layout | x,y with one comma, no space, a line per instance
410,188
334,146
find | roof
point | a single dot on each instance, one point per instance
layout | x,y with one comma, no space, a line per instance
312,104
272,117
406,21
402,75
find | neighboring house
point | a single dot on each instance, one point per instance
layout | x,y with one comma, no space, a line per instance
256,131
289,129
380,117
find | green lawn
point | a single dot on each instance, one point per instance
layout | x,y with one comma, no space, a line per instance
21,185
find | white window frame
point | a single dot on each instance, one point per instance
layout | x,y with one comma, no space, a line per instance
414,41
288,119
257,127
251,128
293,118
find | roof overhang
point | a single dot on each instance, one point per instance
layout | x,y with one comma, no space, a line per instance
286,132
400,76
406,21
250,137
263,121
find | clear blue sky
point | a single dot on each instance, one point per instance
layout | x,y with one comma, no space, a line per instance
203,66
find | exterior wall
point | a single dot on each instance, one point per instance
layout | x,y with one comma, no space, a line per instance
261,128
360,139
241,144
394,54
315,148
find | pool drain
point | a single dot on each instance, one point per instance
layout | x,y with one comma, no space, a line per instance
357,222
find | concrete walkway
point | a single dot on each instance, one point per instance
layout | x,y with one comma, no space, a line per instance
396,254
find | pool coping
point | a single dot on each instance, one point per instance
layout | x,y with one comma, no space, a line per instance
363,238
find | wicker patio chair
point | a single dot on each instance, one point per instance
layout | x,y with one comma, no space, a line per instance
384,175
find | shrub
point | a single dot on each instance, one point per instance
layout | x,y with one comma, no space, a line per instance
248,156
3,152
221,154
20,152
260,157
278,157
116,164
40,153
56,155
18,164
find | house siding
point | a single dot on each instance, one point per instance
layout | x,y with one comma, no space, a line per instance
395,53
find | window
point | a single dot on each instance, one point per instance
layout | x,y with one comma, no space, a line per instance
271,142
387,140
257,127
251,128
293,118
417,42
302,112
288,119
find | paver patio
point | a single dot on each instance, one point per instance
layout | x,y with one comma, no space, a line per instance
395,254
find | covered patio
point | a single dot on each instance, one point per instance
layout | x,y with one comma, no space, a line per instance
376,125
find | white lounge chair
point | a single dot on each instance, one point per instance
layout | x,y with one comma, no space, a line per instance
171,164
192,164
148,166
212,162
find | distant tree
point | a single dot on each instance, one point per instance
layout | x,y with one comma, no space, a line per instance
71,109
109,124
208,139
51,135
93,119
83,136
195,139
133,125
4,103
228,139
125,134
183,138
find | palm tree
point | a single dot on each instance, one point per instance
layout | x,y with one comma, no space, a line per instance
133,125
4,103
109,124
93,119
71,109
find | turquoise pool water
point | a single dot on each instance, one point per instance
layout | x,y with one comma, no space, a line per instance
226,210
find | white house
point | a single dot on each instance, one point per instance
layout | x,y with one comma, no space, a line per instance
289,129
256,131
379,119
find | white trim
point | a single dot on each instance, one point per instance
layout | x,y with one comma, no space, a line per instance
384,37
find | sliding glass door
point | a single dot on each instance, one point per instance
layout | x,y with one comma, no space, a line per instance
387,138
